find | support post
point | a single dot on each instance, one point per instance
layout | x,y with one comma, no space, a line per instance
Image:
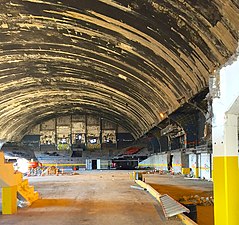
9,200
225,92
225,172
197,166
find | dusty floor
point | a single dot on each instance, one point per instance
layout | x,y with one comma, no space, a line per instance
97,197
177,187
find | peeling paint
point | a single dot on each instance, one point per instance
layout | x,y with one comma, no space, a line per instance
114,4
126,60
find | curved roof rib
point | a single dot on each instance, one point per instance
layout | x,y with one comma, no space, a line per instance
128,60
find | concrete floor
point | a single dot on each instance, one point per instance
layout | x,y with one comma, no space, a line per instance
92,197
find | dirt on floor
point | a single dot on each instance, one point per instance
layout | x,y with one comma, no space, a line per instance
178,187
90,197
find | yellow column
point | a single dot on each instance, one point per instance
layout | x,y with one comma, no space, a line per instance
226,172
196,172
225,93
9,200
226,190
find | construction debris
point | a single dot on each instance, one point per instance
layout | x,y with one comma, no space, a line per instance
22,203
51,170
202,201
74,173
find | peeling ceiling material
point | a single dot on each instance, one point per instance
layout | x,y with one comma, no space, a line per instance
129,61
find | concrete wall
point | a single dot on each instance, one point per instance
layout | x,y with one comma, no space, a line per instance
193,162
181,160
204,171
185,160
204,164
158,161
88,164
103,164
177,162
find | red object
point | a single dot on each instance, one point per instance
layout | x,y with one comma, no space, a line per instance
132,150
32,164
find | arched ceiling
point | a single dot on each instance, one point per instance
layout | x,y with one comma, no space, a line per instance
129,61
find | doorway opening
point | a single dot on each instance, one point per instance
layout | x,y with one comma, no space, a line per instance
94,164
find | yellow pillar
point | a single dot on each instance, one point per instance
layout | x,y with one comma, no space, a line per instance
197,166
226,172
196,172
9,200
226,190
225,105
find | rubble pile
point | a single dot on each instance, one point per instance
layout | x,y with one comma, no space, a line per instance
51,170
197,200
